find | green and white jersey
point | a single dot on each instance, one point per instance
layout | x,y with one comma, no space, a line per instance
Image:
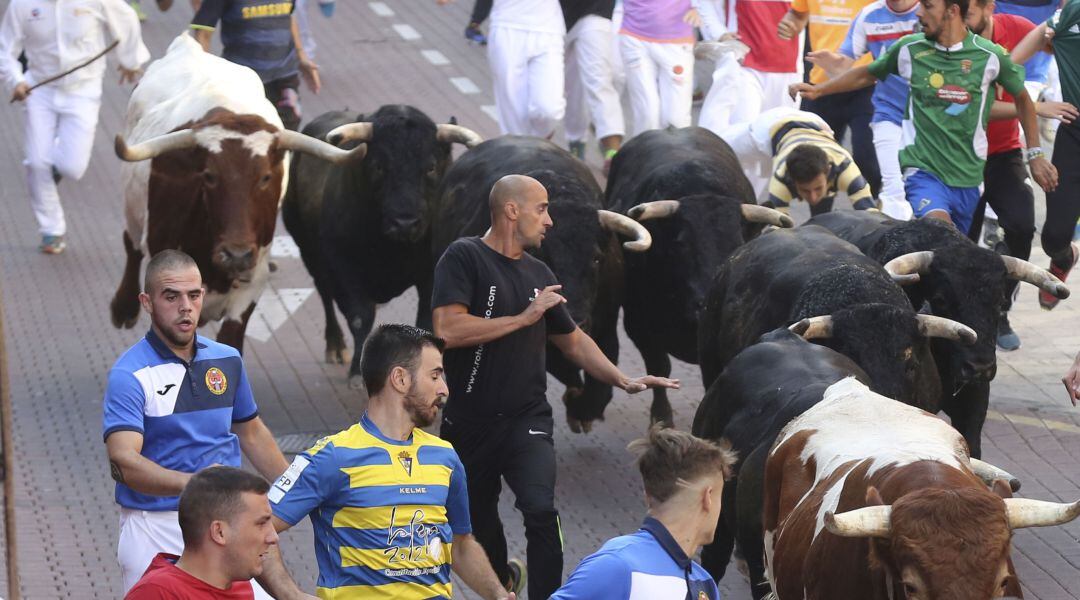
1066,26
944,129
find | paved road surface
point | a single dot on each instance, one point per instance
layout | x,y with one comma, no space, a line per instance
60,344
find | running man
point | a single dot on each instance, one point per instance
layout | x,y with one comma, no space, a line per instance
949,71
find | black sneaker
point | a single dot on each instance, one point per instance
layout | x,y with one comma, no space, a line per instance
518,576
1007,339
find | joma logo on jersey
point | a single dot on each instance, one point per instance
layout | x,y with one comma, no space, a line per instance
406,461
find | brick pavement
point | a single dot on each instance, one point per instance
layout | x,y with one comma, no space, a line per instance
61,345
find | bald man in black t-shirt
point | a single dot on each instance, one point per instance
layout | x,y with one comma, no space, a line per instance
496,306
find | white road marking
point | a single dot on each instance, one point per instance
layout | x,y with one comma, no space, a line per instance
465,85
491,112
273,309
283,246
381,9
435,57
406,32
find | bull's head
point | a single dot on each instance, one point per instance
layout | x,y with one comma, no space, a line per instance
967,283
938,544
407,156
224,173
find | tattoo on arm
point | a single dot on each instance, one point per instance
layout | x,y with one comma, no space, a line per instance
117,473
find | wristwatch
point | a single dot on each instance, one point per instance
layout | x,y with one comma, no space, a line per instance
1033,153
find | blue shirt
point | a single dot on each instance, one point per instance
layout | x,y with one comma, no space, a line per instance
184,410
646,565
384,511
875,29
1036,11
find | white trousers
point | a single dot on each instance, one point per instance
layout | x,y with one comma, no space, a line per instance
752,143
145,534
527,72
591,92
887,143
59,133
739,94
660,82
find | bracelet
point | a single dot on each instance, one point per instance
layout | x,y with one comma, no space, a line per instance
1033,153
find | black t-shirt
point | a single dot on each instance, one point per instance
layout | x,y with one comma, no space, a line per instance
504,377
573,10
254,33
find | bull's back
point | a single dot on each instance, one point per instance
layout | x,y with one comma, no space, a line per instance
858,227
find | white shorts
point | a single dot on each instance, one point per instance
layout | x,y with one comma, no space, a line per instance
145,534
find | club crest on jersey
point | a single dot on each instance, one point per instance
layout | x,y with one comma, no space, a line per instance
965,66
702,596
406,461
216,381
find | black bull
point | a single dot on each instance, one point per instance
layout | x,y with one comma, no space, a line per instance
582,248
957,280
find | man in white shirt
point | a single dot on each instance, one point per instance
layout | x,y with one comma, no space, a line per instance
525,51
61,116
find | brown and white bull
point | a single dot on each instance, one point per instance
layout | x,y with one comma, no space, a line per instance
206,161
868,498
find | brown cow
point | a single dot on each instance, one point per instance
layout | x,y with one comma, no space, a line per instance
868,498
206,174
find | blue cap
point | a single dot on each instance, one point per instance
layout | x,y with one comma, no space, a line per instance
327,8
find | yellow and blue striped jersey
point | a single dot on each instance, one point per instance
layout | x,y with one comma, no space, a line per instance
384,512
789,132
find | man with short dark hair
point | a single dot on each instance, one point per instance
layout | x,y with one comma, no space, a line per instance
497,306
387,499
225,521
265,36
806,160
175,404
950,72
683,478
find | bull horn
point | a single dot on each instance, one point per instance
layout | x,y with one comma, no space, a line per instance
871,521
155,146
1022,270
623,224
813,328
1024,512
291,140
988,473
456,134
754,213
348,132
905,269
940,327
656,209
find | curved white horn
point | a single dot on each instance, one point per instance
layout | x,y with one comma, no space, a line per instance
291,140
988,473
1022,270
755,213
813,328
623,224
940,327
155,146
905,269
456,134
1024,512
872,521
656,209
360,132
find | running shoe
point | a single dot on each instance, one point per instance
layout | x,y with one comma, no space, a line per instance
578,150
1047,300
518,575
52,244
1007,339
991,233
138,9
474,34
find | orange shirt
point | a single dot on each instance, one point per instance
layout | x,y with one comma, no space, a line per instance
829,24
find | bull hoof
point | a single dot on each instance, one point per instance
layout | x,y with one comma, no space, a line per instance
122,317
575,425
356,382
335,356
665,421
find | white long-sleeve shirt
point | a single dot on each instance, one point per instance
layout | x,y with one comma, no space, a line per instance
59,34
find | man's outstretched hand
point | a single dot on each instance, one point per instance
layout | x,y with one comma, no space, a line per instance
640,384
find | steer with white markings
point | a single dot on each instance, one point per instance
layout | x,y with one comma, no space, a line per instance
868,498
206,158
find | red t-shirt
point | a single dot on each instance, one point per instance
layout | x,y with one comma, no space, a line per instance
163,580
1004,135
757,21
